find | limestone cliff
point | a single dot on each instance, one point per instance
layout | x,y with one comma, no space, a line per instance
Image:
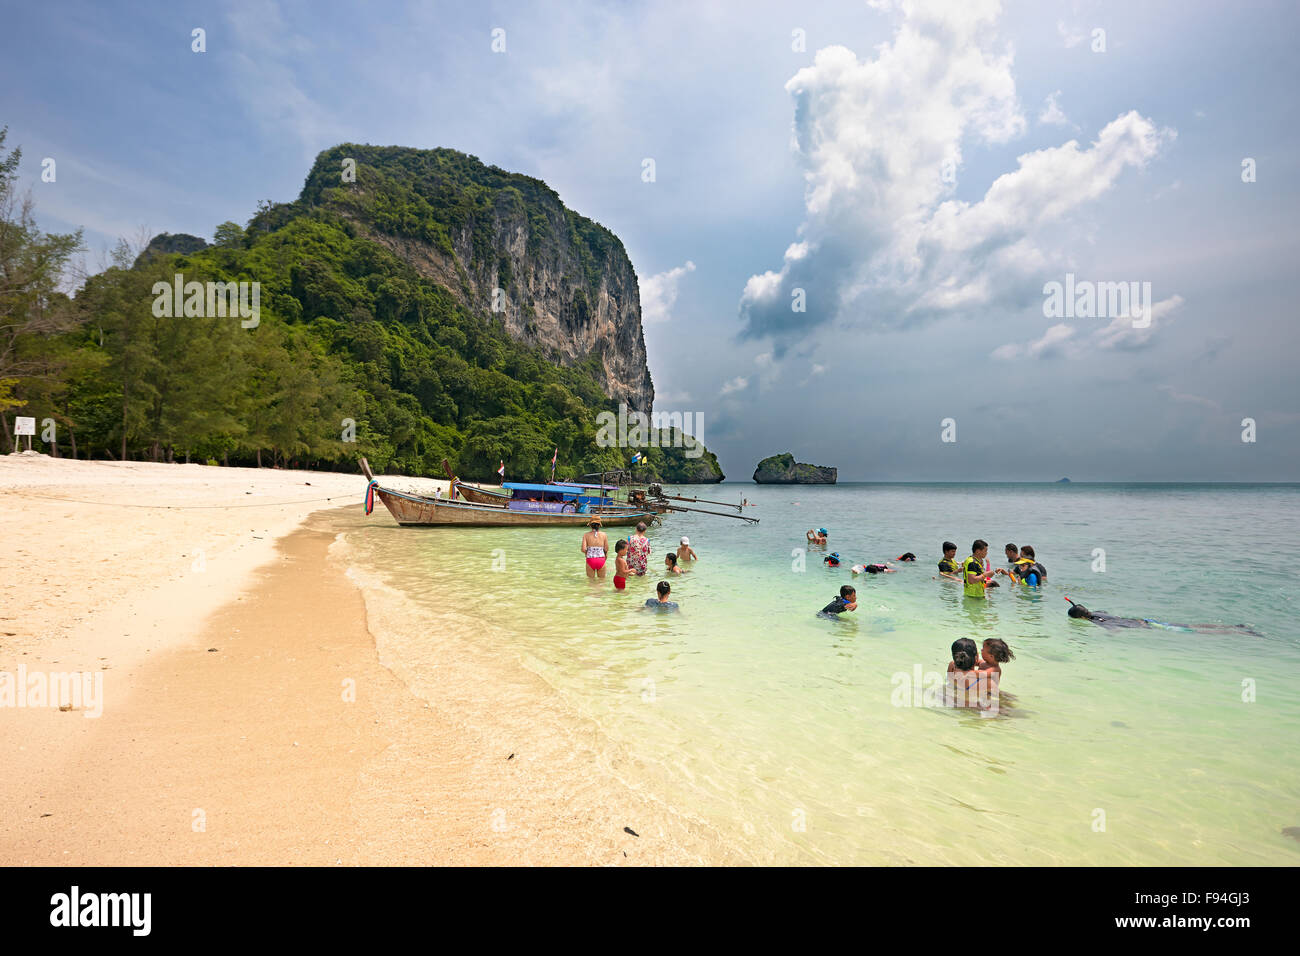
505,246
784,470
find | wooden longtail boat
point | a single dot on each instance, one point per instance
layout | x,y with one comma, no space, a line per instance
410,509
474,493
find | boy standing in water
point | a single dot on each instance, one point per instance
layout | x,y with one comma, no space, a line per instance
621,570
685,552
948,565
974,578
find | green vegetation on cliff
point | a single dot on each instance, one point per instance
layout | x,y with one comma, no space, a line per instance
355,350
784,470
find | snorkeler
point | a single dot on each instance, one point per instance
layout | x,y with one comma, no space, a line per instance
832,560
873,569
1109,620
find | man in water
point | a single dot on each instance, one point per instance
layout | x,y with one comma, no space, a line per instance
1109,620
1027,570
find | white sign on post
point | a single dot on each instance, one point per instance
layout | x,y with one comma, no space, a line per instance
24,426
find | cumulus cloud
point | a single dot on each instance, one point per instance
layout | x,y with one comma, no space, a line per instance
734,385
659,293
882,240
1121,334
1055,342
1052,113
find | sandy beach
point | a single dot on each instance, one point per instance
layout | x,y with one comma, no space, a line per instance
246,715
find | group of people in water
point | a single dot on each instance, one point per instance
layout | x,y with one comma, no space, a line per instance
632,559
974,674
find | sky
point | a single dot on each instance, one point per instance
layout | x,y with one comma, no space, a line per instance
857,214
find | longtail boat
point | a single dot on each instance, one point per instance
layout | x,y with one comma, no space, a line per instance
527,507
474,493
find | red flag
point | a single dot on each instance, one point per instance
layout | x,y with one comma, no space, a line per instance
502,470
555,456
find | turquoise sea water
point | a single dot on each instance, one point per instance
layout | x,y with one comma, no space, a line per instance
794,739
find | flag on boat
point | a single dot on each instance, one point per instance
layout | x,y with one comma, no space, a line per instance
636,458
502,470
555,457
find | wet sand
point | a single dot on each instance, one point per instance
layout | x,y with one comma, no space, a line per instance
268,730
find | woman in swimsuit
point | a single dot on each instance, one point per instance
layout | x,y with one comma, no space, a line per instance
594,545
638,550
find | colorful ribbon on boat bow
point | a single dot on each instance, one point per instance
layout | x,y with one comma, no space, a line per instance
370,495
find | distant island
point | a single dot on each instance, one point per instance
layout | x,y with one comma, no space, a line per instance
1063,481
784,470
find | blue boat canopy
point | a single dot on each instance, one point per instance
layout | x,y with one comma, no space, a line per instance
553,489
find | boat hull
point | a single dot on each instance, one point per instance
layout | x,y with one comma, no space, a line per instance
417,511
481,496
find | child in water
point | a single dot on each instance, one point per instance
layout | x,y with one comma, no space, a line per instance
685,552
670,564
621,569
832,560
993,654
846,600
661,603
948,565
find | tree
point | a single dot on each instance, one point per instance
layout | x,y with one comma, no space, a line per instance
32,266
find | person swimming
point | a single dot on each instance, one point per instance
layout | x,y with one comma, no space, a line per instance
906,556
1103,619
832,560
661,603
873,569
846,600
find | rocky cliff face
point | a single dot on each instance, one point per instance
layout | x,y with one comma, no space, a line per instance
505,246
784,470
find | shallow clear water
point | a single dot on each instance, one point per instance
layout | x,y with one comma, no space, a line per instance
796,739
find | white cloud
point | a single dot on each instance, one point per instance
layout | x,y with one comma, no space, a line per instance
1070,36
1055,342
659,293
882,241
1121,334
1052,113
1059,341
734,385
